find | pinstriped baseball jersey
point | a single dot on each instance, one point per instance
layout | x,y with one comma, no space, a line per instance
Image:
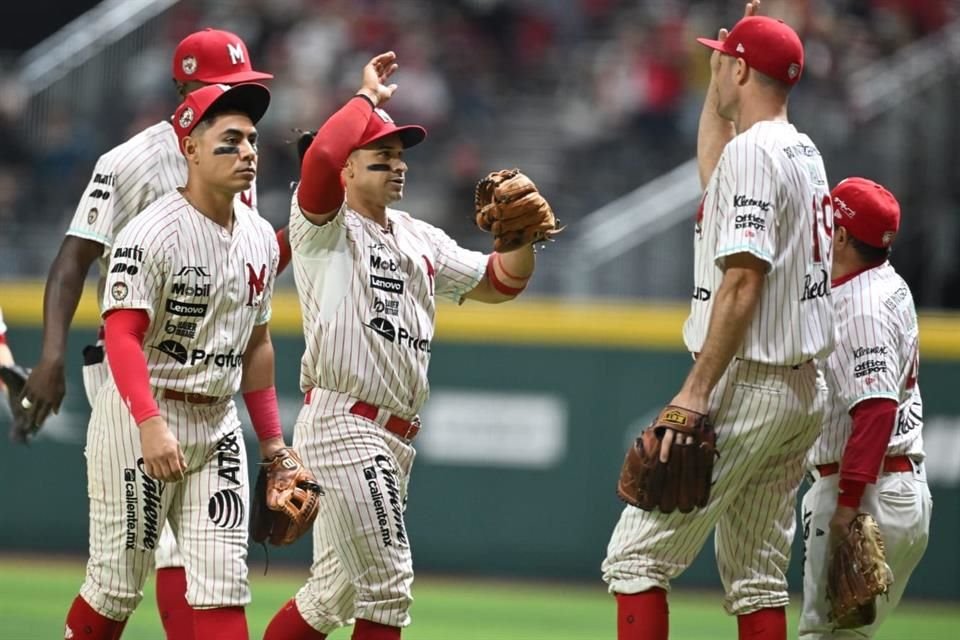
204,287
126,180
876,357
367,296
769,197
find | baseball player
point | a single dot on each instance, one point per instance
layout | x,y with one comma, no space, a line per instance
164,441
368,277
760,315
125,181
869,456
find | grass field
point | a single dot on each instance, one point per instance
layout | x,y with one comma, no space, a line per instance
35,595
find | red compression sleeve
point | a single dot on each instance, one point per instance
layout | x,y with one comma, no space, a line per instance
125,329
873,422
320,190
285,255
264,413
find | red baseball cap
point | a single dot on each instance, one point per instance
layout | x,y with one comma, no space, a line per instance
867,211
767,45
213,55
382,125
249,98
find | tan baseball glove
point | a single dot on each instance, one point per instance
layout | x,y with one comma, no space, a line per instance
857,574
508,205
683,481
285,501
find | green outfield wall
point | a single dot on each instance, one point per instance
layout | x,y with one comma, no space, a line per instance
522,441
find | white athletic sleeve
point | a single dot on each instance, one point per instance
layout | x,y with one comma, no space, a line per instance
139,267
307,237
110,199
748,202
458,270
3,327
865,358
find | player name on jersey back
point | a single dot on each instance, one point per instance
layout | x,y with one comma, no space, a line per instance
768,197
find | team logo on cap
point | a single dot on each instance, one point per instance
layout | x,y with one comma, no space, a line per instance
189,65
383,115
740,48
888,237
843,208
186,118
793,70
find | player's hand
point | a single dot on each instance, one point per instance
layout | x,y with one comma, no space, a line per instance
44,390
687,401
375,76
750,9
840,522
162,457
269,447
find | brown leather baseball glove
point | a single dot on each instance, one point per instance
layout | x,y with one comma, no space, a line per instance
683,481
508,205
857,574
286,499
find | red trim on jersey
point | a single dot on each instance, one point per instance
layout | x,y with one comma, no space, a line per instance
850,276
123,342
285,253
873,421
497,284
264,413
3,338
321,189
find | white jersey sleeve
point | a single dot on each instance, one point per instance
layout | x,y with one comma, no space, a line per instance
457,270
139,267
126,180
3,327
749,193
866,359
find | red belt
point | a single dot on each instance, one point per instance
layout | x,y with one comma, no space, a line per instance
891,464
192,398
406,429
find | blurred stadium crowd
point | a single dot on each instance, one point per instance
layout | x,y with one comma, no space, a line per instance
591,97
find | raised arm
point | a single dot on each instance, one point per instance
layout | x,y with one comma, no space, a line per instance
320,192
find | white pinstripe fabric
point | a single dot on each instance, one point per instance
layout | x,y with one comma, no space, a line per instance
877,356
362,566
125,181
766,417
769,197
125,524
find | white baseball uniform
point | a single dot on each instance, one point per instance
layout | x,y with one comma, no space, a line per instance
205,288
768,197
367,296
876,357
125,181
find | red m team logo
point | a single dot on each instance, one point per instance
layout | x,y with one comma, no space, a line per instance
255,284
246,197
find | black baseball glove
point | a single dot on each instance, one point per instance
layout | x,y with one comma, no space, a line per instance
22,428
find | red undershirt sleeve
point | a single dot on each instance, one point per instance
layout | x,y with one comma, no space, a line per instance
873,422
320,190
123,342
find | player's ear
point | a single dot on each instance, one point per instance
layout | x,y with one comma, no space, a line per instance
742,71
190,150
